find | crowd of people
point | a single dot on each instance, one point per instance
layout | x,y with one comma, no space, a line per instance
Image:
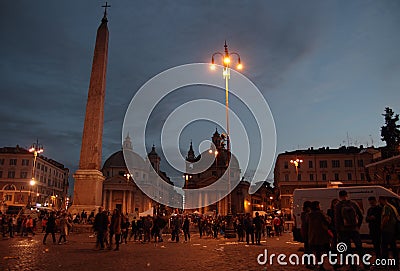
151,229
23,225
341,224
114,228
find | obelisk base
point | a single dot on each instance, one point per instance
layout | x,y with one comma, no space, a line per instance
88,191
229,230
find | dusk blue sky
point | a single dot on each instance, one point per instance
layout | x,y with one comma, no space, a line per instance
326,68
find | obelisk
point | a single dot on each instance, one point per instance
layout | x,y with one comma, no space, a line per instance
88,187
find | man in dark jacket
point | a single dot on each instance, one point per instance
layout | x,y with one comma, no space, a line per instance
316,225
249,228
50,228
100,226
348,220
374,222
258,224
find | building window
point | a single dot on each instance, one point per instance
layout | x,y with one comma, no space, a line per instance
349,177
323,176
38,166
348,163
214,173
299,177
121,173
360,163
311,177
335,163
11,174
362,176
13,162
1,174
310,164
323,164
42,167
286,177
1,161
336,176
24,174
286,165
45,169
25,162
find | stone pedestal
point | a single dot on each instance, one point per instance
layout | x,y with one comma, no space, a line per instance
88,191
229,230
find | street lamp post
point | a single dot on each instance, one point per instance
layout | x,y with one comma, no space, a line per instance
296,163
128,177
36,149
226,62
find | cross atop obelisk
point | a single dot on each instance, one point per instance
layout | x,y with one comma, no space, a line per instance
105,11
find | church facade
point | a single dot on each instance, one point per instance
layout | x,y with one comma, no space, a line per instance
119,188
241,200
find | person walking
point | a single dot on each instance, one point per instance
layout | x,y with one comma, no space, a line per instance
316,224
200,224
258,224
115,227
332,228
185,228
147,225
29,226
277,225
348,220
388,229
124,229
373,219
176,228
240,228
64,227
50,228
249,228
100,227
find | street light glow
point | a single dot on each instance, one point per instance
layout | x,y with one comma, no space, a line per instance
227,60
212,67
32,182
239,66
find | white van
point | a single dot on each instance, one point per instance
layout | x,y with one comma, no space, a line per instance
358,194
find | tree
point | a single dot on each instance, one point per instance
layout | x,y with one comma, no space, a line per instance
390,133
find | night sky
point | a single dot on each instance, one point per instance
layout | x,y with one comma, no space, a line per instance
326,68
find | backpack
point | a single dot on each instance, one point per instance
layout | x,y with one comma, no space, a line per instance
277,221
349,214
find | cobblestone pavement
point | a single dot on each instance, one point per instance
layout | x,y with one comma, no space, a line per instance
28,253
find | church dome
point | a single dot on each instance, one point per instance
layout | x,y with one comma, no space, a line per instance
117,160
